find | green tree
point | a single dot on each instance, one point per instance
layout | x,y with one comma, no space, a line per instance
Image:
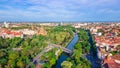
66,64
77,53
2,54
52,61
46,65
79,66
20,64
3,61
78,46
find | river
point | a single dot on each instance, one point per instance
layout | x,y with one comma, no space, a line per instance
95,62
63,55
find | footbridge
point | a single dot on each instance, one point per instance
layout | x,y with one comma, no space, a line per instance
36,59
63,48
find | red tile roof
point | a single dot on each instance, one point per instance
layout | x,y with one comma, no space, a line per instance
38,66
110,63
9,32
107,40
116,56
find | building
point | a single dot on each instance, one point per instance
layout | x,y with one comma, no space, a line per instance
42,31
5,33
110,62
28,32
6,25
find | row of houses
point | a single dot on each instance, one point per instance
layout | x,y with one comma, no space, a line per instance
107,40
8,33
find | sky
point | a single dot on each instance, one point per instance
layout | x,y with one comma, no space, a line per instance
59,10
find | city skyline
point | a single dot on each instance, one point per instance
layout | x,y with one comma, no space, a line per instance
63,10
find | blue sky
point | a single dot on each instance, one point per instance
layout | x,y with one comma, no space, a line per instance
59,10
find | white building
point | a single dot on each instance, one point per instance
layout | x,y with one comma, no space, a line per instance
28,32
6,24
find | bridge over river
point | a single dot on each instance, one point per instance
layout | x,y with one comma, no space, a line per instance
50,46
66,50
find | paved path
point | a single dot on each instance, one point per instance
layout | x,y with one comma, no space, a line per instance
37,57
48,48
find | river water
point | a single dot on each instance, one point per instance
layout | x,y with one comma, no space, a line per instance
63,55
95,62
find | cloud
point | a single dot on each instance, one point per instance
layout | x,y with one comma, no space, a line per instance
58,9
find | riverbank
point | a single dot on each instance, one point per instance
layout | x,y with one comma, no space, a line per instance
68,41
